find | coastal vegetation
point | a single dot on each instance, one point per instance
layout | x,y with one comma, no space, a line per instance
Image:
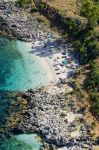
94,87
80,28
90,10
23,2
78,24
59,111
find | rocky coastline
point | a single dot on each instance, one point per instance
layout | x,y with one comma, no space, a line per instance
48,111
53,115
18,22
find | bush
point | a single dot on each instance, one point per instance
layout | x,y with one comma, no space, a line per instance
94,87
82,49
95,108
23,2
42,5
88,46
65,36
34,10
93,125
42,19
94,76
90,10
93,50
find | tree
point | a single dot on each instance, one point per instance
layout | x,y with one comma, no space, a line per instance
90,10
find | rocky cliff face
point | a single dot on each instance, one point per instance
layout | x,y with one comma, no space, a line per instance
4,29
13,19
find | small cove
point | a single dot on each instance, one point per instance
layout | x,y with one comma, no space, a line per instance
20,70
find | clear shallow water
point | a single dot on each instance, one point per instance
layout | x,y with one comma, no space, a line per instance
18,142
19,68
21,142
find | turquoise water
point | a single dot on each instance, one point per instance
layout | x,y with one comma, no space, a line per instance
21,142
19,68
18,142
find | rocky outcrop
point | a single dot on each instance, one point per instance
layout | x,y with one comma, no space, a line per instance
51,114
4,29
18,21
54,116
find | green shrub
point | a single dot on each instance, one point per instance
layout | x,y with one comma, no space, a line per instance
94,87
42,5
34,10
93,125
65,36
95,108
42,19
23,2
94,76
90,10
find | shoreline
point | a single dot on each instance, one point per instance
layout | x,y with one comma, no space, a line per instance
46,64
56,116
52,58
50,72
29,33
57,119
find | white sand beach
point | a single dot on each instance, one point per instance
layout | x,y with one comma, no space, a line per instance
49,69
45,62
52,61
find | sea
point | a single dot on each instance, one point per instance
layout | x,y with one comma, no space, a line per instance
20,70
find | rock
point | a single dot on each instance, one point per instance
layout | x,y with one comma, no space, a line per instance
40,110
